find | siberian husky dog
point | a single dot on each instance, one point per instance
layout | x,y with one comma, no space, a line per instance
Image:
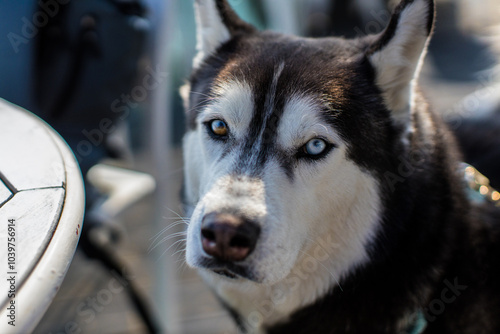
324,195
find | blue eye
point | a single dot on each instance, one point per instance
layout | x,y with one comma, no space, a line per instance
315,147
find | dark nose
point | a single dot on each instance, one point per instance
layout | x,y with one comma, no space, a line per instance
228,237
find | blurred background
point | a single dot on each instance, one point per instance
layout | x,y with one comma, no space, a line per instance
106,73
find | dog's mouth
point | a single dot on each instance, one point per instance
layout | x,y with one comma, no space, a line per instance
225,273
229,270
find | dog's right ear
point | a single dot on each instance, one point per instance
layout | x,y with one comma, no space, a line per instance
216,24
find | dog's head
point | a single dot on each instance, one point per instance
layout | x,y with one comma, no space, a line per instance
289,140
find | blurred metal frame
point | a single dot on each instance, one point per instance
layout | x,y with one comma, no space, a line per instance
166,280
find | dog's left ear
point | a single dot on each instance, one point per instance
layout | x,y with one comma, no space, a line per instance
397,53
216,24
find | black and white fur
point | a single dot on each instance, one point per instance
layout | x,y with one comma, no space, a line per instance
361,238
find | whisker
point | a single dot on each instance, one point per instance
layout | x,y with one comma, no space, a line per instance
174,224
162,254
179,251
175,213
183,266
168,237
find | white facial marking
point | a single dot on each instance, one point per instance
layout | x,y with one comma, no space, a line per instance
245,196
301,122
235,106
314,229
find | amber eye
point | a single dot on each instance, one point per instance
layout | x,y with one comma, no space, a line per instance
219,128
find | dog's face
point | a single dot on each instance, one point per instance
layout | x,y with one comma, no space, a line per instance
289,140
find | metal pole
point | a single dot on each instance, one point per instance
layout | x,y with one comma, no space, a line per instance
166,280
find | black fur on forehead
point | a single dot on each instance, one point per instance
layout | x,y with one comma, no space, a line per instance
334,70
253,58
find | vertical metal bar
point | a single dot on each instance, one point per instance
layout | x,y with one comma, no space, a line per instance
166,281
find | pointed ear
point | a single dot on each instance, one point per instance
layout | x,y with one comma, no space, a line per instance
398,52
216,24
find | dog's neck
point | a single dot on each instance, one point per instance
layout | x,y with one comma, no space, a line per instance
261,306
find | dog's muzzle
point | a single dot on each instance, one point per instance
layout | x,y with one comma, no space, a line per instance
227,237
